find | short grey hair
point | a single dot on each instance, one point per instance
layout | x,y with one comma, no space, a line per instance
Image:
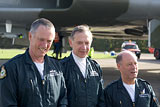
120,55
41,21
80,28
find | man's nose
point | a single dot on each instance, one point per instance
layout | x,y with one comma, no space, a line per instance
135,66
44,44
84,46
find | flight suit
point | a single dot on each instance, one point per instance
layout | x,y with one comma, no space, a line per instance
83,92
22,86
116,95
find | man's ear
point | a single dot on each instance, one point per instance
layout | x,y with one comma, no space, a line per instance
118,66
29,36
70,42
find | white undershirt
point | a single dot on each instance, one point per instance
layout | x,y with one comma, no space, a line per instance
81,62
131,90
40,67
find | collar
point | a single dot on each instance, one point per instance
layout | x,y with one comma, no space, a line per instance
120,83
78,59
28,58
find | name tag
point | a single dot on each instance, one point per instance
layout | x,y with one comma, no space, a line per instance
94,73
54,73
143,95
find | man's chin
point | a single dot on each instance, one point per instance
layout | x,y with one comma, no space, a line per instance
42,55
82,56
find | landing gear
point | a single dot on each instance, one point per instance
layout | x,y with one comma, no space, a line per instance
138,56
157,53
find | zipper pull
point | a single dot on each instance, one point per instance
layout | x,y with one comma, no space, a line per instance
43,82
85,81
133,104
120,103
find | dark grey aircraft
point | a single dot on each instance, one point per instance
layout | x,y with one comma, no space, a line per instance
17,15
63,13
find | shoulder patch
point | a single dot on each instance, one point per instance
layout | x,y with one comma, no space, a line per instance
3,73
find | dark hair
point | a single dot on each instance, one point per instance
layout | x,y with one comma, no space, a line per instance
80,28
119,58
38,22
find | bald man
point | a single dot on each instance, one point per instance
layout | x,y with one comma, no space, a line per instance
129,91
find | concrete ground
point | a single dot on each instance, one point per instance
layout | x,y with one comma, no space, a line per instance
149,69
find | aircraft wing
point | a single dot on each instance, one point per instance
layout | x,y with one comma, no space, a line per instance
64,13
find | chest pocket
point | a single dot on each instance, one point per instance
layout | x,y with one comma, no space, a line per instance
54,83
93,76
93,83
144,97
144,100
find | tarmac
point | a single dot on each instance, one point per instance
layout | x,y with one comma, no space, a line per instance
149,70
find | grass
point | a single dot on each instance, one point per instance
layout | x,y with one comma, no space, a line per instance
9,53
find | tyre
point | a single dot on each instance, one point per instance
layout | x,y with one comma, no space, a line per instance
157,53
138,56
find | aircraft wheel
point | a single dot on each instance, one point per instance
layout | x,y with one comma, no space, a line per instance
138,56
157,54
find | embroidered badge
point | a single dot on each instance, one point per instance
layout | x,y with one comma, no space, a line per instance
2,73
54,73
143,93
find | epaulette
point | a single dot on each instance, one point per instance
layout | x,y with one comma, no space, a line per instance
64,59
112,83
52,58
93,61
13,59
142,80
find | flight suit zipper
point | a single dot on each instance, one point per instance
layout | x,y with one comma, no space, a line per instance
43,87
85,80
120,103
133,104
43,82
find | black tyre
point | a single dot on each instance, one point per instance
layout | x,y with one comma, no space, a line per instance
157,53
138,56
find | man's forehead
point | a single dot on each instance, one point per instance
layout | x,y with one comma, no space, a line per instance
86,33
129,60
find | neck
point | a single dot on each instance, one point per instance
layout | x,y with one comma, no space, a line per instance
75,56
35,58
129,81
